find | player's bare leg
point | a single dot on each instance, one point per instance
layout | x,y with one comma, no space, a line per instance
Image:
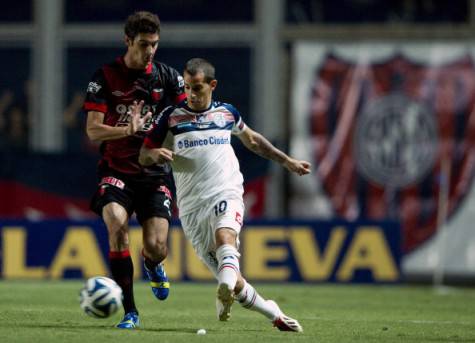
116,219
155,232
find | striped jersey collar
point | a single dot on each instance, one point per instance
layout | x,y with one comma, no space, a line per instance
185,106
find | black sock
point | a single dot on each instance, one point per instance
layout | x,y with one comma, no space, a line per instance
122,271
150,264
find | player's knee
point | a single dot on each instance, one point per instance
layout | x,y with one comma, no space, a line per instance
118,233
156,250
116,219
225,236
117,228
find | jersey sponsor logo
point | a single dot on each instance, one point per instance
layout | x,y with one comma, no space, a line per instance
93,87
124,109
125,117
191,143
110,180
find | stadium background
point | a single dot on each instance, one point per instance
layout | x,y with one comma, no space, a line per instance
308,74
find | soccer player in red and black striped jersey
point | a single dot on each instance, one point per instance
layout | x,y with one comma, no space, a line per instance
125,186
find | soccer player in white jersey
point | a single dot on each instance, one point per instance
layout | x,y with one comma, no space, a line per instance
210,185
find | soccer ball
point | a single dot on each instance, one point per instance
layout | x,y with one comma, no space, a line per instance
100,297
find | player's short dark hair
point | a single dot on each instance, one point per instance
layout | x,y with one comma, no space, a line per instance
197,65
141,22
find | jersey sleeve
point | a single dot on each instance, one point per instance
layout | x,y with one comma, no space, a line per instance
239,124
96,94
176,85
157,134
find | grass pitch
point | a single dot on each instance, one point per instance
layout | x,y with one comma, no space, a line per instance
49,312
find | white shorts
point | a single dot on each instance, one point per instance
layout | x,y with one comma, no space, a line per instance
200,227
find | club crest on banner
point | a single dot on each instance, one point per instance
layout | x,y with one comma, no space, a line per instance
381,131
395,141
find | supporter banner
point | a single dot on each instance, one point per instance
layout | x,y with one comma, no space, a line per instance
334,251
389,128
61,185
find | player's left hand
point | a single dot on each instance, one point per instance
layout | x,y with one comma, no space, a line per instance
298,167
137,122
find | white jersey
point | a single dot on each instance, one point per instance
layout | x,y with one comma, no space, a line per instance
205,164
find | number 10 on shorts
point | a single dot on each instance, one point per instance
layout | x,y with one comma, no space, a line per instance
220,208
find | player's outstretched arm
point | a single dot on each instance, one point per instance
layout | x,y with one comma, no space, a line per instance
257,143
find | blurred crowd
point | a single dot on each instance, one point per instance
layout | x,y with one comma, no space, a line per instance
16,121
376,11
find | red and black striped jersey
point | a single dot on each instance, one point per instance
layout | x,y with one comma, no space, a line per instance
113,89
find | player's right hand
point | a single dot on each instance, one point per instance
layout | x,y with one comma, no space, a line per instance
137,122
163,155
297,166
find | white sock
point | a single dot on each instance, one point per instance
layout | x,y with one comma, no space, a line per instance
250,299
228,265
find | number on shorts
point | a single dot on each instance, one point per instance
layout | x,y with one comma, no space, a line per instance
221,207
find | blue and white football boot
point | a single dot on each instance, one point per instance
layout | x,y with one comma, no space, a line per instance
158,281
130,321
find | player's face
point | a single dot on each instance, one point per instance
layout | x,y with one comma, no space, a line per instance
142,49
198,91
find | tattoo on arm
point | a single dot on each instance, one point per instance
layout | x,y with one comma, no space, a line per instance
261,146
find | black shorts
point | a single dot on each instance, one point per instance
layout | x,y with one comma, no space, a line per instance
147,196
